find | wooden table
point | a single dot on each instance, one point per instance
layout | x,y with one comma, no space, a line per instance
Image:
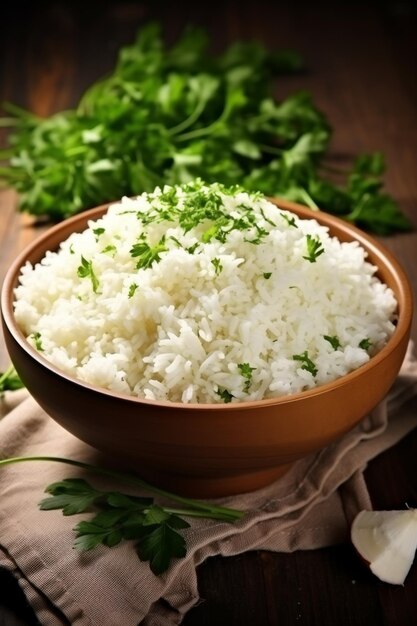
362,75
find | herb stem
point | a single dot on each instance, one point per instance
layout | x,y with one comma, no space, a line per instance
197,507
6,374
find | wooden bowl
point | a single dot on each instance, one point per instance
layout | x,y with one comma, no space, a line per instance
210,450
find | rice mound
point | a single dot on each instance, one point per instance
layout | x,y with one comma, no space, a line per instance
204,294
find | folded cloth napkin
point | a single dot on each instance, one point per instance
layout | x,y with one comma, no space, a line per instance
310,507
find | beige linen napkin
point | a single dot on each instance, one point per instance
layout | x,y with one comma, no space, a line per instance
310,507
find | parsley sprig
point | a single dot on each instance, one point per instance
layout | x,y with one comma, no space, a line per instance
118,516
85,270
147,255
246,371
314,248
307,363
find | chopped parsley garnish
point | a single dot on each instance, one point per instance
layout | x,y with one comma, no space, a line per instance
98,232
290,220
225,395
147,254
333,340
85,270
266,218
314,248
307,363
132,289
110,249
38,341
217,265
365,344
193,248
267,275
71,249
246,371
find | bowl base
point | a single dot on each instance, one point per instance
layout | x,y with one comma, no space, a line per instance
215,486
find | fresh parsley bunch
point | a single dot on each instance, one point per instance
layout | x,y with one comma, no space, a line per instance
172,115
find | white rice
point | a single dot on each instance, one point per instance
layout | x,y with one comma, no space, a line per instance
216,316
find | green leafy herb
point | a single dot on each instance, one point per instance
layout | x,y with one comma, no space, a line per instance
314,248
85,270
225,395
116,516
132,289
37,338
246,371
98,232
193,115
290,220
267,275
333,340
110,249
10,380
307,363
147,254
217,265
365,344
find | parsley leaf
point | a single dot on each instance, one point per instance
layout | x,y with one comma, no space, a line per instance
225,395
314,248
307,363
86,270
365,344
147,254
333,340
132,289
217,264
246,371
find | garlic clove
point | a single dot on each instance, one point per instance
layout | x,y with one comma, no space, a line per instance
387,540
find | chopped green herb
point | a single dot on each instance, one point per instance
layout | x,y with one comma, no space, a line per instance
132,289
267,275
176,241
307,363
261,234
365,344
98,232
333,340
266,218
71,249
225,395
314,248
217,265
38,341
86,270
147,254
246,371
290,220
110,249
193,248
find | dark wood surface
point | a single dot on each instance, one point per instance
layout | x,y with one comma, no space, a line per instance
362,60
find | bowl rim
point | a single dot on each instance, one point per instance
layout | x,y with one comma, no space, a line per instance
404,298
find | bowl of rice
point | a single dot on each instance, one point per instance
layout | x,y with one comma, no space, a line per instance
205,336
